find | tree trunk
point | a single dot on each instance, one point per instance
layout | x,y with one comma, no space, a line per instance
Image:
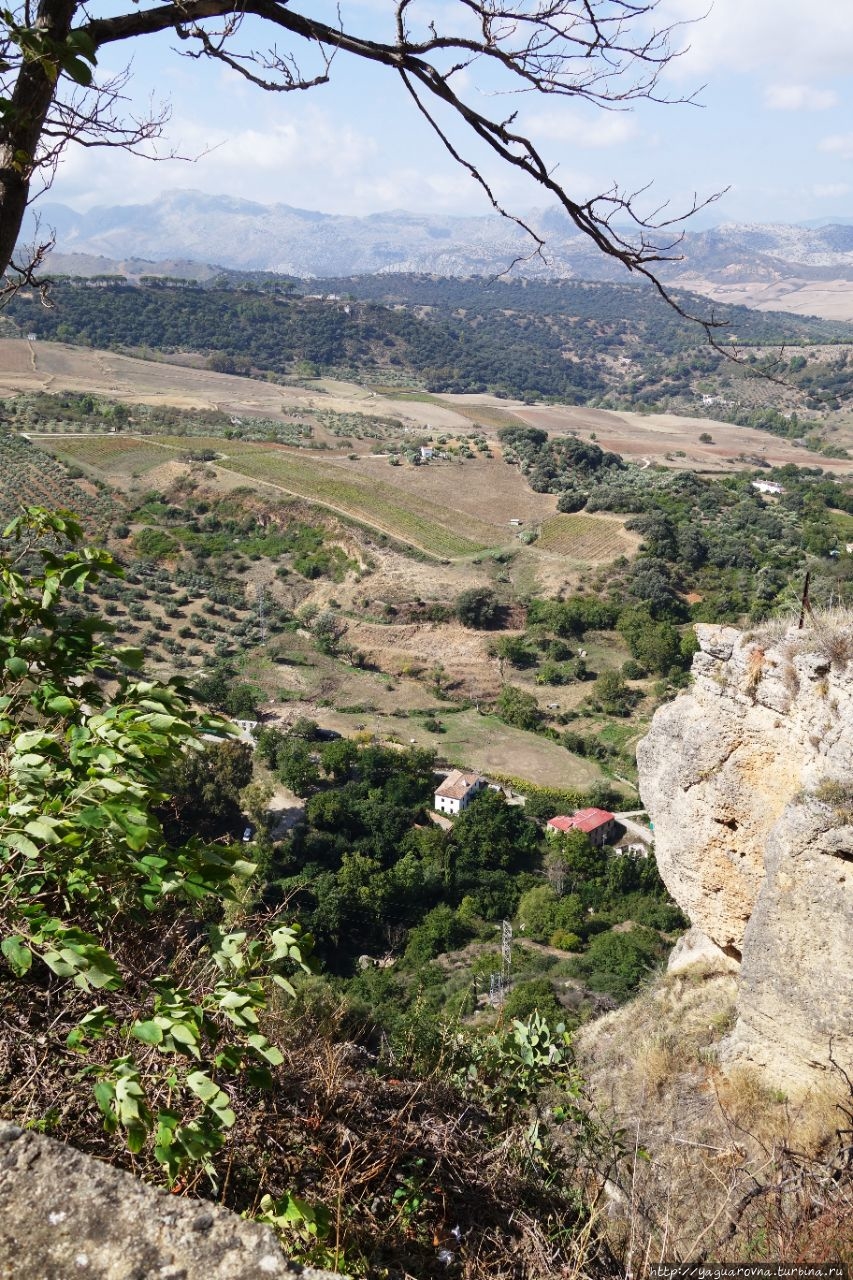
22,126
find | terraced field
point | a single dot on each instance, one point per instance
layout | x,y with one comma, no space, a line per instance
112,455
433,528
592,539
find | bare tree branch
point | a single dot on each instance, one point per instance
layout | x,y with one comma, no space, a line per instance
605,53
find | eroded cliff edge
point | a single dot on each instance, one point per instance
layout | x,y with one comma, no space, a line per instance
748,779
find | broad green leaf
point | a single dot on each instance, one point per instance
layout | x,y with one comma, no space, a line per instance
62,705
202,1086
22,844
147,1032
16,667
269,1051
17,954
42,830
224,1115
183,1034
132,658
136,1134
104,1096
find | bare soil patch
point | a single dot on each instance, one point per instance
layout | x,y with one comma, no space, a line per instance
421,646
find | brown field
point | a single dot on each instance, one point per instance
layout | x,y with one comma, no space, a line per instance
657,437
591,539
434,528
16,359
486,489
57,366
421,646
832,299
53,367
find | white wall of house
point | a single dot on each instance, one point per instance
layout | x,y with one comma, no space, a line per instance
444,804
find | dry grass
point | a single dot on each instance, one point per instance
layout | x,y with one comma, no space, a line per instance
404,1162
732,1164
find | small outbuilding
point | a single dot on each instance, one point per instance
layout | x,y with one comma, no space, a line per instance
598,824
458,790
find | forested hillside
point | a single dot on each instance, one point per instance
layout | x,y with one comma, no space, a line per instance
576,342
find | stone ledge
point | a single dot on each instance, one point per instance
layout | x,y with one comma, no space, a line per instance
64,1214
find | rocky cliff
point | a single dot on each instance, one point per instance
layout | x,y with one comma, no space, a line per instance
748,778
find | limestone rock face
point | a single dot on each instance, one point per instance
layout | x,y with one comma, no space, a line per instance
694,947
731,774
63,1214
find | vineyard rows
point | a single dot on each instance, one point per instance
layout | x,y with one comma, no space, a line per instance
587,538
31,477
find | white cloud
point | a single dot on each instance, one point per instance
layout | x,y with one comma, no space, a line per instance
838,144
308,162
799,97
609,129
805,41
830,190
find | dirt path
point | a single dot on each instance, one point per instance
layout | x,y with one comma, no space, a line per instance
541,947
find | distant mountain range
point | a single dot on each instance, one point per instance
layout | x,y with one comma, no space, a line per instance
800,268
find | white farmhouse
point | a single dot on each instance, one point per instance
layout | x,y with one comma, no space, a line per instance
457,791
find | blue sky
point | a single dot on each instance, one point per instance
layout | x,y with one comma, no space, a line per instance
775,126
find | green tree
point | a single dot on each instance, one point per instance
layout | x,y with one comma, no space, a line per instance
205,788
533,997
339,758
519,708
613,693
657,645
86,874
616,963
488,838
514,650
478,608
578,861
441,930
537,913
296,768
255,802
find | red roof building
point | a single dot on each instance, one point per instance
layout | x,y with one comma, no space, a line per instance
598,824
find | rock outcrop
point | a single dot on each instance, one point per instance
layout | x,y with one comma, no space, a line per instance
748,779
64,1214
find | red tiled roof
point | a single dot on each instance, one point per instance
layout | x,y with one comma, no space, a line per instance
583,820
